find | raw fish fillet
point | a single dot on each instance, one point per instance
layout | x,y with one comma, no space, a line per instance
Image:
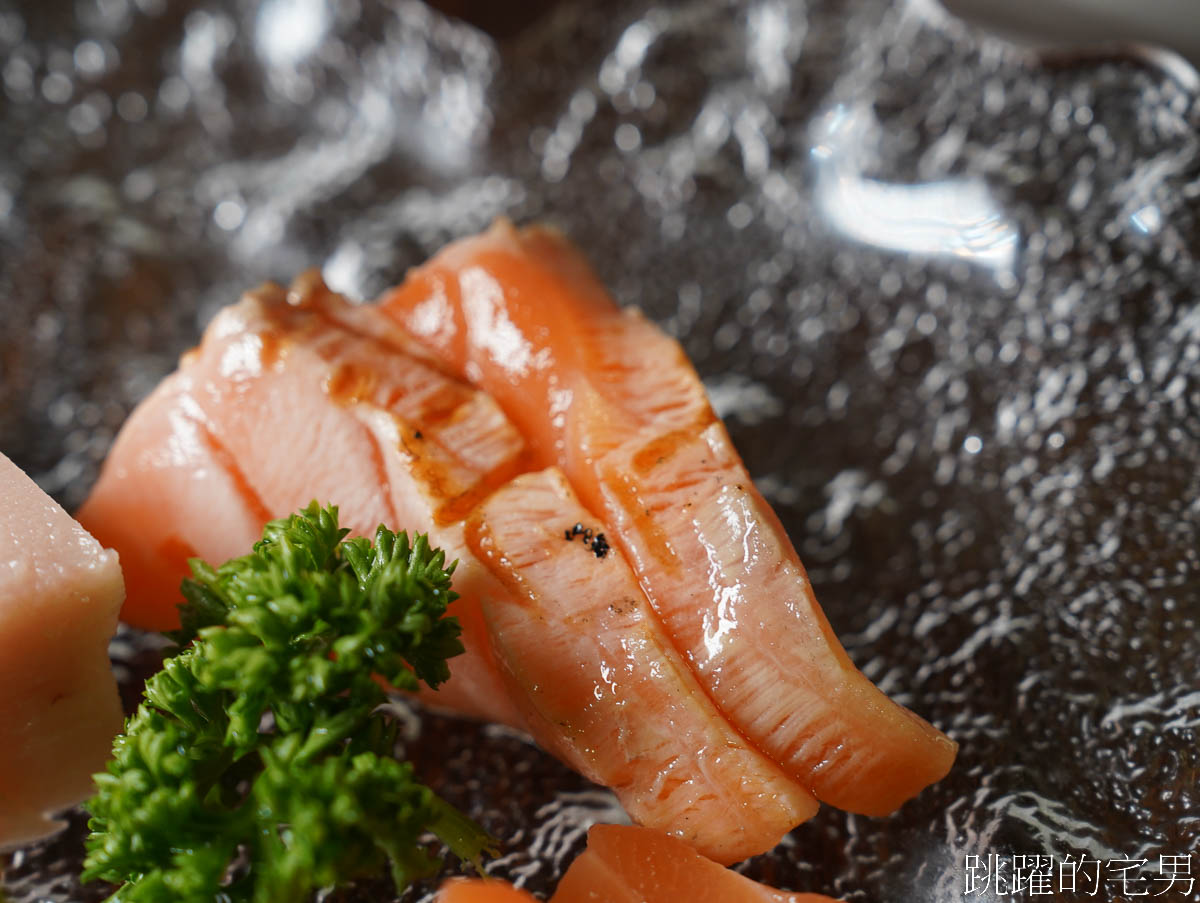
59,597
606,396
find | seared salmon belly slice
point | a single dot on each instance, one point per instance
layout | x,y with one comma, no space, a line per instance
624,864
298,395
602,687
59,597
291,397
606,396
481,890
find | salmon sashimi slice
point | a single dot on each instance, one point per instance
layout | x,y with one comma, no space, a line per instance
60,592
168,493
481,890
604,689
624,864
292,396
605,395
295,395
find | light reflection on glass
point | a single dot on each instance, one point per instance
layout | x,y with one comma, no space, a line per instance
289,30
771,36
1148,220
955,217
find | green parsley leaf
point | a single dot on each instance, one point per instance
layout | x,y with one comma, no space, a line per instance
259,767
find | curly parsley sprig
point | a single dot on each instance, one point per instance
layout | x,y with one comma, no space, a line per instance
258,768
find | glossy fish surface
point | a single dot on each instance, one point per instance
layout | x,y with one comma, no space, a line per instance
614,402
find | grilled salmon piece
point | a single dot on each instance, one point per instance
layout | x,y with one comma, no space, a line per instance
291,396
168,492
602,687
624,864
59,596
295,396
606,396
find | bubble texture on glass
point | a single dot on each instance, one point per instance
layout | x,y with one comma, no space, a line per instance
942,292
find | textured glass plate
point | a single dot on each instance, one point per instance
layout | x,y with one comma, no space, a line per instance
943,294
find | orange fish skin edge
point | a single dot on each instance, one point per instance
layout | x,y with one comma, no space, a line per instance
628,864
481,890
